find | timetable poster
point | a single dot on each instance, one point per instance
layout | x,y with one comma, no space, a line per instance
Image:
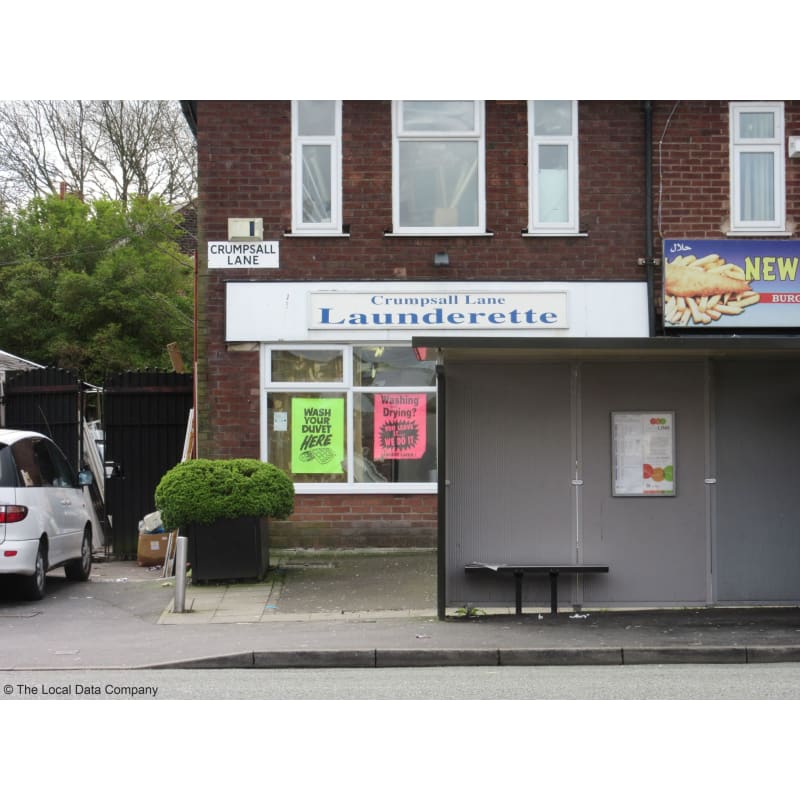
643,453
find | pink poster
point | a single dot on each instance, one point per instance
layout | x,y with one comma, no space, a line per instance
399,426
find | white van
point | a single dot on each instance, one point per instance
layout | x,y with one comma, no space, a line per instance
44,515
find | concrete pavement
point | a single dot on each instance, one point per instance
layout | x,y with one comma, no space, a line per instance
364,608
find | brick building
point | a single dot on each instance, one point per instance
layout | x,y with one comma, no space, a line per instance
449,321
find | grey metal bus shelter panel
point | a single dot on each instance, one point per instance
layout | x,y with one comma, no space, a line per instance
757,532
529,470
509,469
656,547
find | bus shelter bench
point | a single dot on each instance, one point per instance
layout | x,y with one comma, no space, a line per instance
553,570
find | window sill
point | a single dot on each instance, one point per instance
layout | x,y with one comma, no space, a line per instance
553,234
365,488
759,234
436,234
316,235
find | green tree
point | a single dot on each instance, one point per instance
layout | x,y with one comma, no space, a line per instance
95,287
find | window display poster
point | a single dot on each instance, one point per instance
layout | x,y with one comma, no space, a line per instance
318,435
400,426
643,453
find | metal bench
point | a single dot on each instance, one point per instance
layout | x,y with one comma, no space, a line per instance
553,570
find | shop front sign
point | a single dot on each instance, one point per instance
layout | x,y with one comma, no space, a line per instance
270,311
417,311
747,283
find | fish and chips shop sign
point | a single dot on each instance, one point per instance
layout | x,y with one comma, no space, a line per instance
711,283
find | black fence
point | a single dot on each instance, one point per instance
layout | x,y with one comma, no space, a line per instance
144,418
48,401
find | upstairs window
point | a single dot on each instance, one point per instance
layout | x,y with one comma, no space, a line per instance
553,166
757,167
316,166
438,169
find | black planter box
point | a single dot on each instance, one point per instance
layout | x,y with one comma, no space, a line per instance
230,549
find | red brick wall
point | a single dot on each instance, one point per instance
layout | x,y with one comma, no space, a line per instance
245,170
358,521
692,169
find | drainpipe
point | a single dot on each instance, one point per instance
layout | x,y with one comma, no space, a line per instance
648,216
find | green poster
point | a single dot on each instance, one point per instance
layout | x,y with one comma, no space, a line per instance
318,435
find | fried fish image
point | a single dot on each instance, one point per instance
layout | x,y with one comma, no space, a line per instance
690,280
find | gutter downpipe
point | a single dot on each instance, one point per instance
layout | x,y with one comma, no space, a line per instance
648,222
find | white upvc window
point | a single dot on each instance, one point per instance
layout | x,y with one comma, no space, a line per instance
438,167
553,166
758,202
317,166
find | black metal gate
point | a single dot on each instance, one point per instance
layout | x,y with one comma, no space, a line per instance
47,401
53,401
145,421
144,416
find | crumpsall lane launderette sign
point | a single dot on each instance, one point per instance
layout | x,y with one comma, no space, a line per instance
464,310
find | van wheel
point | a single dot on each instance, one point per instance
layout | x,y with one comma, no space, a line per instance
79,569
33,585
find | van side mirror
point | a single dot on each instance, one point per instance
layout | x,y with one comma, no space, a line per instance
85,478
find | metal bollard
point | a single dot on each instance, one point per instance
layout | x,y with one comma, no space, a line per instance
180,575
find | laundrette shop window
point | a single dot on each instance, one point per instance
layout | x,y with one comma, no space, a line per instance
345,416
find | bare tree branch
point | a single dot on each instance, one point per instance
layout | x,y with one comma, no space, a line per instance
74,139
24,149
100,148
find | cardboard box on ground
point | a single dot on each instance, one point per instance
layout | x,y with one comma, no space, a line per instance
153,541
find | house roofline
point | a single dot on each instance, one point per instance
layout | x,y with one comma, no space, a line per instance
189,108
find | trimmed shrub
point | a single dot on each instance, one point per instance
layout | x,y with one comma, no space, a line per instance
204,490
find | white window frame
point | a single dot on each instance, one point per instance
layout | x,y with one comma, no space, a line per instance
475,135
334,226
571,225
344,387
774,145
